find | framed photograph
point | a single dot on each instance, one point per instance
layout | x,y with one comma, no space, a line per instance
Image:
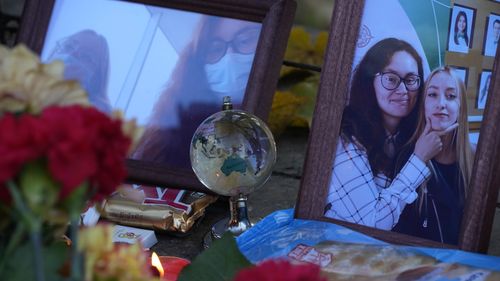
462,72
167,63
483,86
461,29
360,173
492,35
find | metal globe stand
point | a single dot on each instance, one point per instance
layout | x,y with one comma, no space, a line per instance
237,223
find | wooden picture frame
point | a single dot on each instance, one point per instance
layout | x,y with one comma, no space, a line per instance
274,17
324,134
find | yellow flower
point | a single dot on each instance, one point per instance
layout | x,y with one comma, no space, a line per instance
302,48
105,260
27,85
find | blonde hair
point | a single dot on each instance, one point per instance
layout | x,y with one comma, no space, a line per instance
460,140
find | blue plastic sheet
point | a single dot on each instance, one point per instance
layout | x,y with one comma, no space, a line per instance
278,233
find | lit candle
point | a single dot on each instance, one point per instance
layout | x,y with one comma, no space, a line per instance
168,267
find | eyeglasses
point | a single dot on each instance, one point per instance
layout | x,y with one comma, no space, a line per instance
245,42
391,81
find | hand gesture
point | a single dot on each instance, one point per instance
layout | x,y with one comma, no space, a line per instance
429,144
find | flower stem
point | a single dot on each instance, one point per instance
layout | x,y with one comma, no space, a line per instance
76,258
14,241
34,226
36,240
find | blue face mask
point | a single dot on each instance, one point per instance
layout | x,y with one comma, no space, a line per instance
229,76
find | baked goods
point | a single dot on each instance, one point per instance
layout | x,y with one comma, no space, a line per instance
345,261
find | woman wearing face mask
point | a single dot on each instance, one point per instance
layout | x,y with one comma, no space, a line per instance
215,64
86,58
380,117
437,214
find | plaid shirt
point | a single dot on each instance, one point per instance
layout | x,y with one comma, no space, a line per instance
357,196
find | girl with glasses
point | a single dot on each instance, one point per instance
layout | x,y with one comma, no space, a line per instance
216,63
437,214
379,118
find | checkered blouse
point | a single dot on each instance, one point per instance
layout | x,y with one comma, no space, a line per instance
357,196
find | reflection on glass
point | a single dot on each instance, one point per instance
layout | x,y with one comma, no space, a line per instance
216,63
86,58
168,75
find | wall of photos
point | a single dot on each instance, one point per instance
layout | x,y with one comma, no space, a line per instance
474,62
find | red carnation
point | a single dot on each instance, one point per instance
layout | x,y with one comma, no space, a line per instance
22,139
280,270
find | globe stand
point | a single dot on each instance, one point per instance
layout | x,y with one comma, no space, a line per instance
237,223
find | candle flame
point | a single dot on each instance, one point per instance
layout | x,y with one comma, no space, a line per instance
155,261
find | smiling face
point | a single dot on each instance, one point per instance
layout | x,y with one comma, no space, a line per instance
442,101
462,23
398,103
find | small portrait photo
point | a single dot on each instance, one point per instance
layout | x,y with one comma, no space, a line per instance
492,35
460,31
482,93
462,73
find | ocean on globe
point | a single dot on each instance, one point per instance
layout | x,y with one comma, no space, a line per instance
233,152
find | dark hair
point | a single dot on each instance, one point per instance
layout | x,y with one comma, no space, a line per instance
455,35
362,118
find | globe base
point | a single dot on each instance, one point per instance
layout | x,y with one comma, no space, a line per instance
237,223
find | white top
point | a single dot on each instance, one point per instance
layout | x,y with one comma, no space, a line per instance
355,195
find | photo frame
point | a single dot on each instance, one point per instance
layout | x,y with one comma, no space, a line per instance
492,35
324,134
458,41
484,82
270,22
462,72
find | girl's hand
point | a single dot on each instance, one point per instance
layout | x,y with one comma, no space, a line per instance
429,144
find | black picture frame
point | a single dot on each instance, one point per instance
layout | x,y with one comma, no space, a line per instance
488,46
275,17
470,14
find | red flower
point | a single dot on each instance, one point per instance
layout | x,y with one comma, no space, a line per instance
280,270
86,145
21,140
78,143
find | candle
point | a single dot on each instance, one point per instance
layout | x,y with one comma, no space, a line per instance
169,267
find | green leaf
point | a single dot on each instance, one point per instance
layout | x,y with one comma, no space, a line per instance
75,202
38,187
220,262
20,266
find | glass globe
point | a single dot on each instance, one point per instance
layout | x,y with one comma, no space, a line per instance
233,152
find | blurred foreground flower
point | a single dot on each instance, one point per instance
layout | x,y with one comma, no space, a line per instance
281,270
58,153
28,86
105,260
